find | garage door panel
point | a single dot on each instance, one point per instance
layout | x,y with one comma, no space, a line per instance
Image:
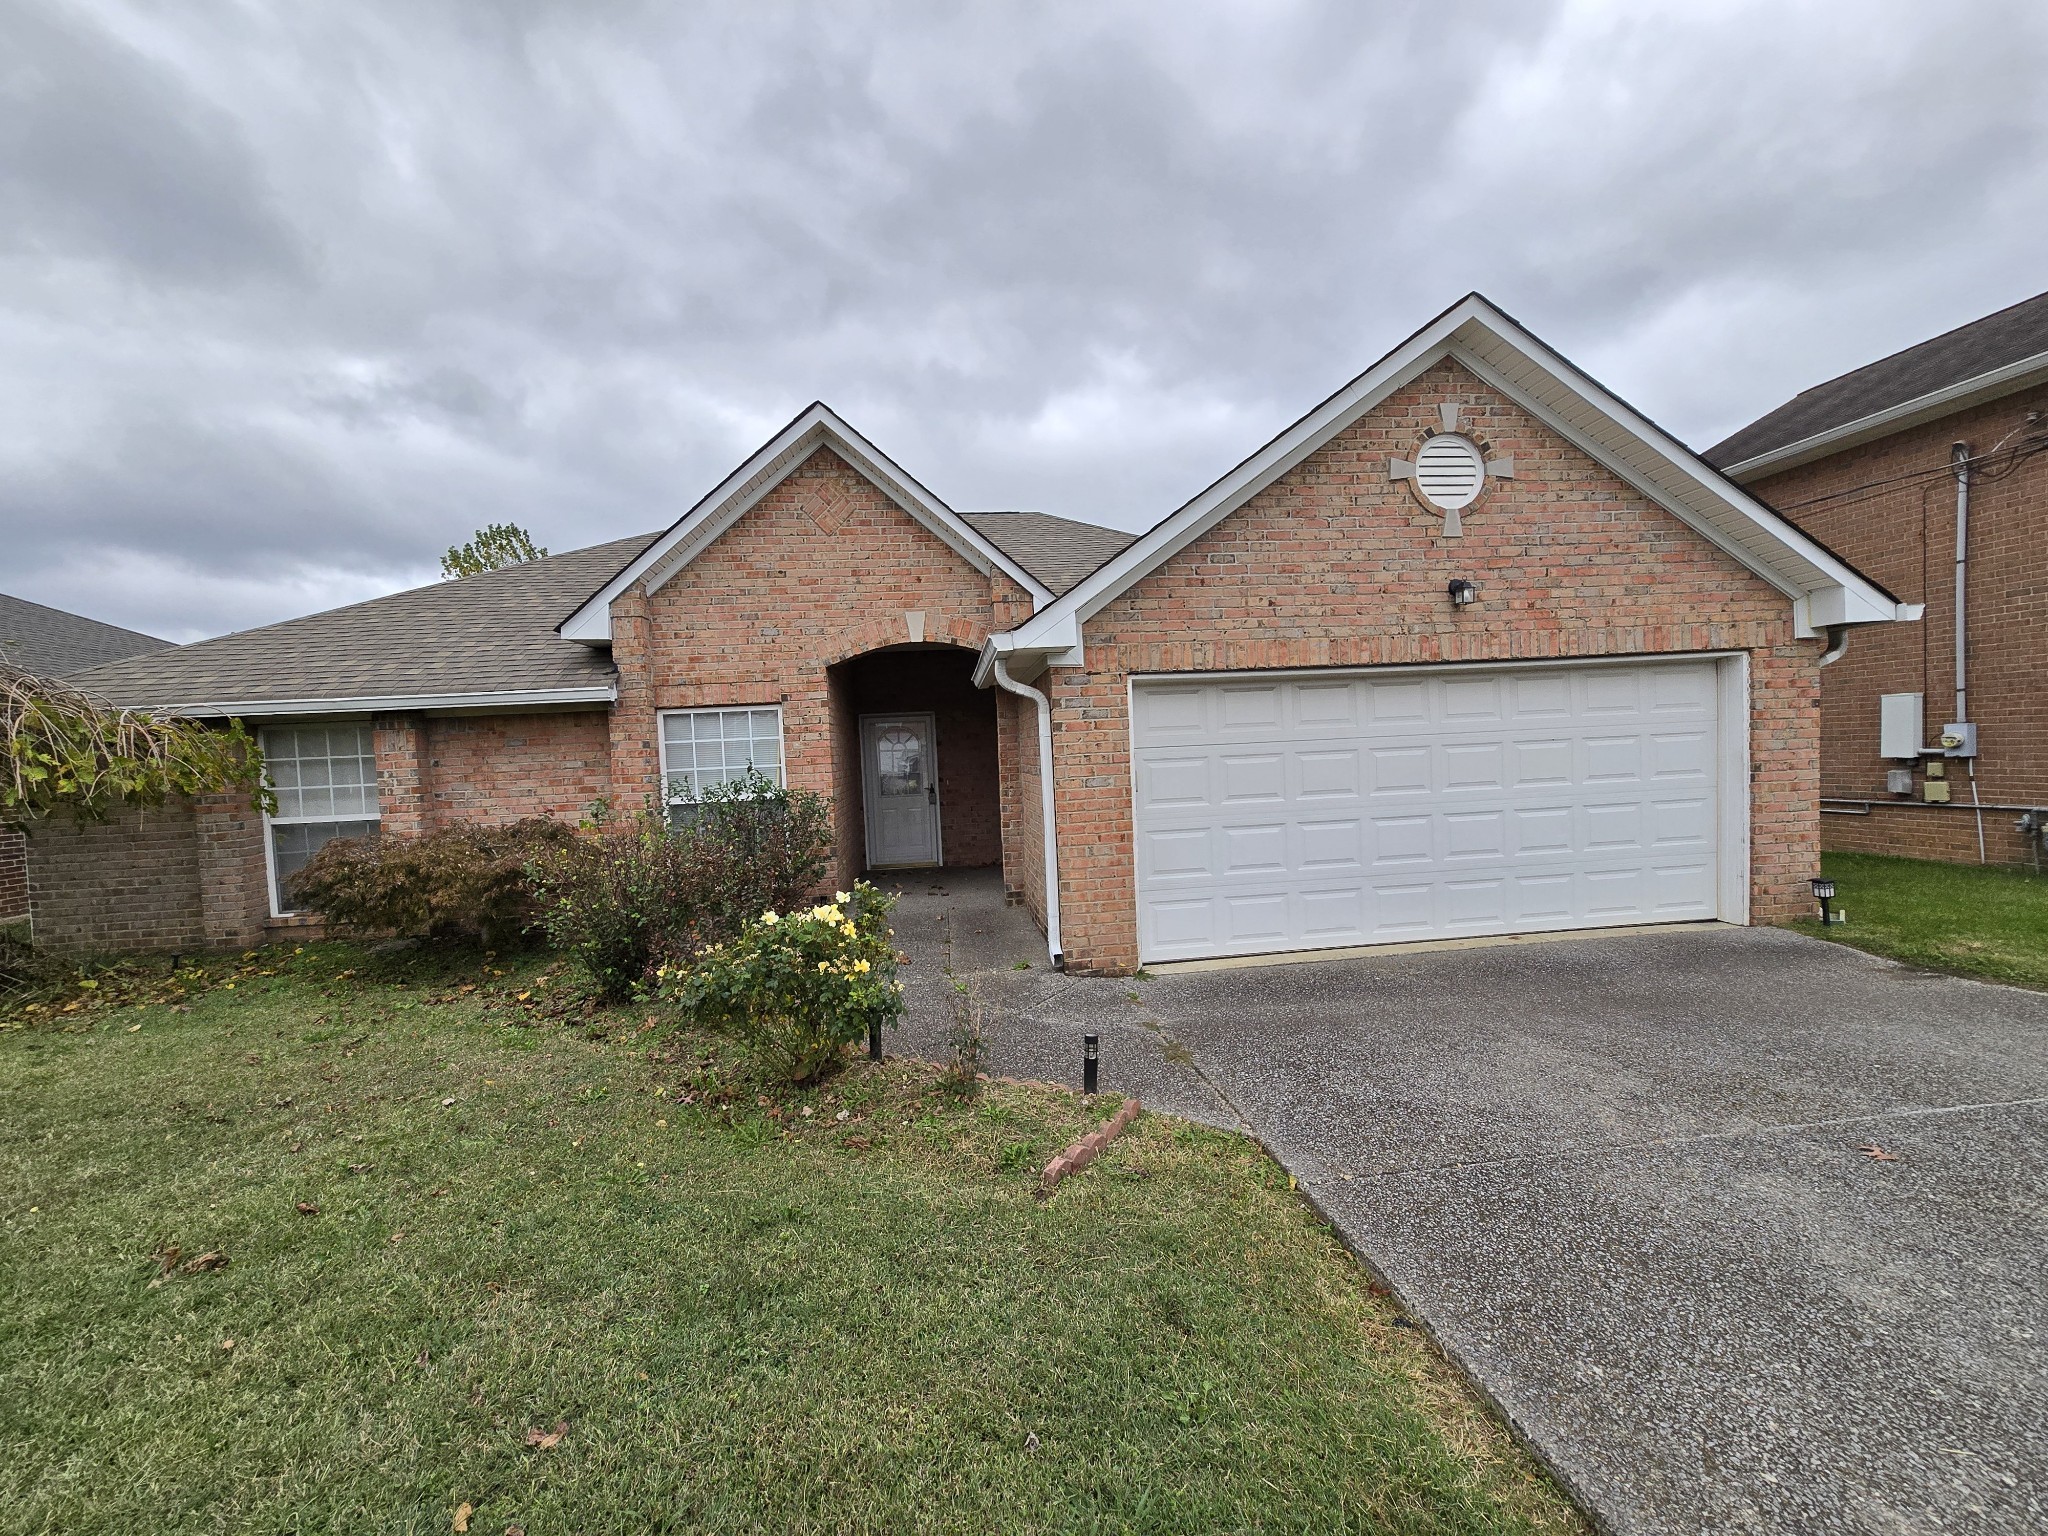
1257,850
1328,773
1351,809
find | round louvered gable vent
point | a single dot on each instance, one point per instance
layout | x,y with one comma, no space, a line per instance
1449,471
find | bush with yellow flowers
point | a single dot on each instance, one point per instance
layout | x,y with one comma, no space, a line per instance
797,988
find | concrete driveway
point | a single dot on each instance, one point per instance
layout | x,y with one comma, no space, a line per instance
1622,1181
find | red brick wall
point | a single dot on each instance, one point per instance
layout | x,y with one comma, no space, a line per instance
1023,811
1336,565
823,569
130,883
1889,508
500,768
1913,830
13,877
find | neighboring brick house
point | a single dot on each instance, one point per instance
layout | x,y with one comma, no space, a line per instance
1929,470
49,642
1472,648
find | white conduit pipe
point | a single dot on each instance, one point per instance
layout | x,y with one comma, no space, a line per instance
1049,837
1960,454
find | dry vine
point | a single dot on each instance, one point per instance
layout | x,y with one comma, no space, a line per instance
63,750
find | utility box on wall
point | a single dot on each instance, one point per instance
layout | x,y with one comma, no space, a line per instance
1899,726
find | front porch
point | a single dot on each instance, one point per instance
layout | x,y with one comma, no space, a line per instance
916,781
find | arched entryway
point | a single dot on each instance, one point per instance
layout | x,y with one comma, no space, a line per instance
915,764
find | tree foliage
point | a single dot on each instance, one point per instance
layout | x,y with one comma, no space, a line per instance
64,751
493,548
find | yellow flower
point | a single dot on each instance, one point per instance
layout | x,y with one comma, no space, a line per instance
770,917
860,966
848,929
841,897
824,965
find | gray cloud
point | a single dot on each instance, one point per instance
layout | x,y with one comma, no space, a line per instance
293,297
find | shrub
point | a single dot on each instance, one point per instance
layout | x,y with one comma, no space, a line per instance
797,989
639,892
465,883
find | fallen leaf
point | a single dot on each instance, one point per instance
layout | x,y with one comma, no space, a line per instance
308,1208
843,1114
447,1103
398,1237
1878,1154
547,1439
858,1143
423,1358
515,1530
168,1258
462,1513
205,1261
227,1344
435,1194
1031,1441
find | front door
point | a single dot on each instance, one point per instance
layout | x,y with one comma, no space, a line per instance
900,774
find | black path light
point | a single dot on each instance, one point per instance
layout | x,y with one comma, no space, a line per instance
1824,893
874,1039
1091,1046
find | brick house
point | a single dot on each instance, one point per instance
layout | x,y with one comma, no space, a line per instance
1471,648
50,643
1929,470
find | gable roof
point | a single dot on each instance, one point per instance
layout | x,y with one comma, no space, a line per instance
816,426
1480,337
1994,356
50,642
486,641
1057,550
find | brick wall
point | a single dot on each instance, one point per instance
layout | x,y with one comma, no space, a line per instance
1913,830
130,883
500,768
823,569
1889,508
1336,565
1022,809
13,877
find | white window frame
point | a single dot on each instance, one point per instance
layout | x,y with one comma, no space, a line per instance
270,822
777,771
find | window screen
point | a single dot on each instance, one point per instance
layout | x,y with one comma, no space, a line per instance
325,778
703,747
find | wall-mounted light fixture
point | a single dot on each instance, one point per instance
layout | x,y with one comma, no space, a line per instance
1463,593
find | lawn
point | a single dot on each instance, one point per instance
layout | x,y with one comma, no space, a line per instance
320,1241
1991,923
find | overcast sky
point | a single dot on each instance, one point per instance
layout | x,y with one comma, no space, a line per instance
294,295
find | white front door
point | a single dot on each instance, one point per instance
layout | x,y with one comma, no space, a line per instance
1317,810
900,777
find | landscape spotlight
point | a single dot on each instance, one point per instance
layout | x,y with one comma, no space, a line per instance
1824,893
1090,1047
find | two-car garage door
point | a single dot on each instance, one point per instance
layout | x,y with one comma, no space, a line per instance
1318,810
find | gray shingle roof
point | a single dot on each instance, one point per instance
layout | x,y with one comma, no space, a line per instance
1982,346
491,633
50,642
1057,550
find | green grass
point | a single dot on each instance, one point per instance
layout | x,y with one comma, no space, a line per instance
748,1318
1990,923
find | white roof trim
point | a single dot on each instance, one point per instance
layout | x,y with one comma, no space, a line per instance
1498,350
1974,390
396,703
730,500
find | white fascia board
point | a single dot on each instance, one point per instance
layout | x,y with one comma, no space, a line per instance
735,495
2010,379
1660,466
392,704
1059,646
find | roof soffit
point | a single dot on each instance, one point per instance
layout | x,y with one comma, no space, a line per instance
742,490
1500,353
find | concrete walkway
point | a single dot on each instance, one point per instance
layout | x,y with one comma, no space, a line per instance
1621,1180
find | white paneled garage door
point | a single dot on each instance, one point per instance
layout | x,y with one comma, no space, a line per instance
1293,811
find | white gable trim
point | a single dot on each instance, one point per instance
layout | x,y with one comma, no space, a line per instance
1500,352
775,461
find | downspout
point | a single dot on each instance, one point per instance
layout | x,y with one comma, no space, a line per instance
1838,642
1049,836
1959,456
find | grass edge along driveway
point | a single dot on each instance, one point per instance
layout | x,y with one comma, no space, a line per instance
1990,923
308,1245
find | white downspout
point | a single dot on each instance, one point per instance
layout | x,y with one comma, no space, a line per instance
1050,836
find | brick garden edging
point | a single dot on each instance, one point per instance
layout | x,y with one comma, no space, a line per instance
1085,1151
